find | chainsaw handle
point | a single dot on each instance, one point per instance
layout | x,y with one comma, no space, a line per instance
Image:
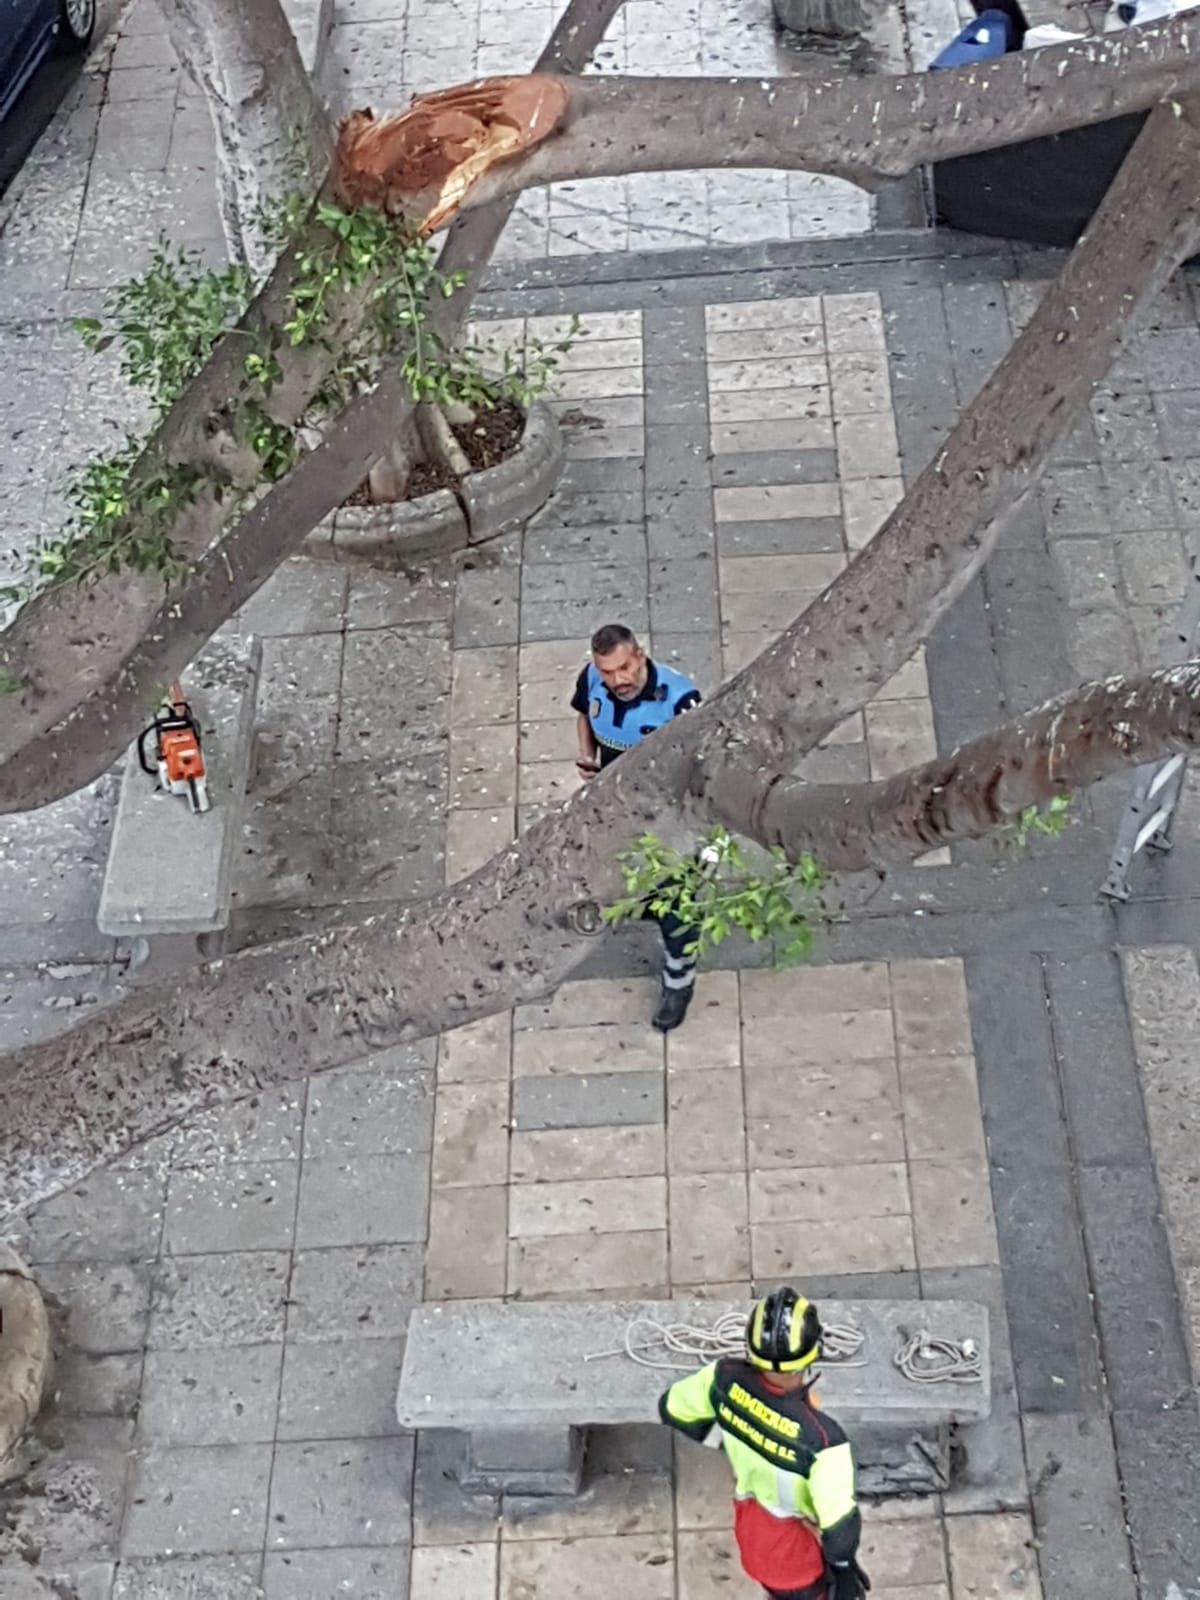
141,750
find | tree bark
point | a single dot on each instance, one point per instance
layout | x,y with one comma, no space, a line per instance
519,925
271,131
80,658
1064,746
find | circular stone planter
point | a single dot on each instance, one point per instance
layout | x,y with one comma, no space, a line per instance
831,19
24,1350
489,503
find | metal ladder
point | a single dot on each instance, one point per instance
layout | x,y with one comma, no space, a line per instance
1150,810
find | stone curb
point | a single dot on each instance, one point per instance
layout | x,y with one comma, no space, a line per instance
25,1353
493,502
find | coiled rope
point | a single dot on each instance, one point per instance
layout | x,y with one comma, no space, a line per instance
924,1359
679,1346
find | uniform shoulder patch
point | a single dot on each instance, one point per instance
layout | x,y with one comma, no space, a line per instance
594,709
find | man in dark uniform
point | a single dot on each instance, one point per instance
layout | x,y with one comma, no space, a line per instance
620,698
796,1516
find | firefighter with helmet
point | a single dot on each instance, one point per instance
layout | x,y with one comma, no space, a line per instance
796,1519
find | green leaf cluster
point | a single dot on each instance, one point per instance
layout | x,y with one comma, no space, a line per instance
718,889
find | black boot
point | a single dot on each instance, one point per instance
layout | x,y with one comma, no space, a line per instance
672,1007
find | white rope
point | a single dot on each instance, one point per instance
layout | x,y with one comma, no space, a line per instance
924,1359
680,1346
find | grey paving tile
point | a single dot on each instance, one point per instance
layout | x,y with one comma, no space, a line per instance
186,1578
1139,495
442,1513
213,1396
485,606
611,474
355,1291
605,1099
575,619
679,523
67,1504
1159,1457
219,1300
390,827
101,1308
1083,1549
1074,501
673,333
301,597
676,456
1176,417
797,536
341,1492
1026,627
696,655
96,1386
376,1109
197,1501
244,1206
1096,1063
1171,357
358,1574
340,1390
601,542
423,599
1127,426
409,674
677,395
683,596
580,508
363,1200
774,466
116,1215
550,583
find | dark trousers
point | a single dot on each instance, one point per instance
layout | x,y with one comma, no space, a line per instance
811,1591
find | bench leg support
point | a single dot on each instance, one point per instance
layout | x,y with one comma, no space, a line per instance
522,1461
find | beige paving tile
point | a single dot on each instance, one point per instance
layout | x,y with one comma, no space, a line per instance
473,837
477,1052
899,735
596,1205
614,412
930,999
713,1035
787,312
765,574
599,382
470,1145
501,331
952,1212
859,380
866,505
709,1230
553,660
466,1571
552,739
585,1263
549,700
703,1489
853,322
591,325
483,686
738,650
756,344
902,1554
483,767
801,991
918,1591
592,443
789,433
806,1088
709,1568
705,1122
940,1095
769,405
770,501
771,372
601,1047
634,1566
542,783
867,446
910,683
623,1503
585,1003
838,1244
811,1194
763,617
872,1131
591,351
468,1240
829,1036
992,1557
565,1154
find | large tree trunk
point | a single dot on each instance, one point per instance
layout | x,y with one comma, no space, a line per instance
516,928
271,131
73,655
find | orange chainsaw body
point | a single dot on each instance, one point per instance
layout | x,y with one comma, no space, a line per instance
178,758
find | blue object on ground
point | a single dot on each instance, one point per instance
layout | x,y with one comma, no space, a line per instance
989,35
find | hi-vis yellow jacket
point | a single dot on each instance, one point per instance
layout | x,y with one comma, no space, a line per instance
785,1453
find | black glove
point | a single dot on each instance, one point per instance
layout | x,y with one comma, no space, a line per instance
849,1582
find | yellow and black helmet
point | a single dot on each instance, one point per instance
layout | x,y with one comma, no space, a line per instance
783,1333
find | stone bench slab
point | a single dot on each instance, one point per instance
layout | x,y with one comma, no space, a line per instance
471,1366
169,870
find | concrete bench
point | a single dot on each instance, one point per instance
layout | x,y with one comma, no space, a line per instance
170,871
515,1383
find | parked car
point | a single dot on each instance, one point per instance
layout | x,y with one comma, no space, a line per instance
30,30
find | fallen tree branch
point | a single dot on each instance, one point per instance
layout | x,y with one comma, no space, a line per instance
1064,746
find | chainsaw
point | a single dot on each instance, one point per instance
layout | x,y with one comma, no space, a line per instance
178,762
